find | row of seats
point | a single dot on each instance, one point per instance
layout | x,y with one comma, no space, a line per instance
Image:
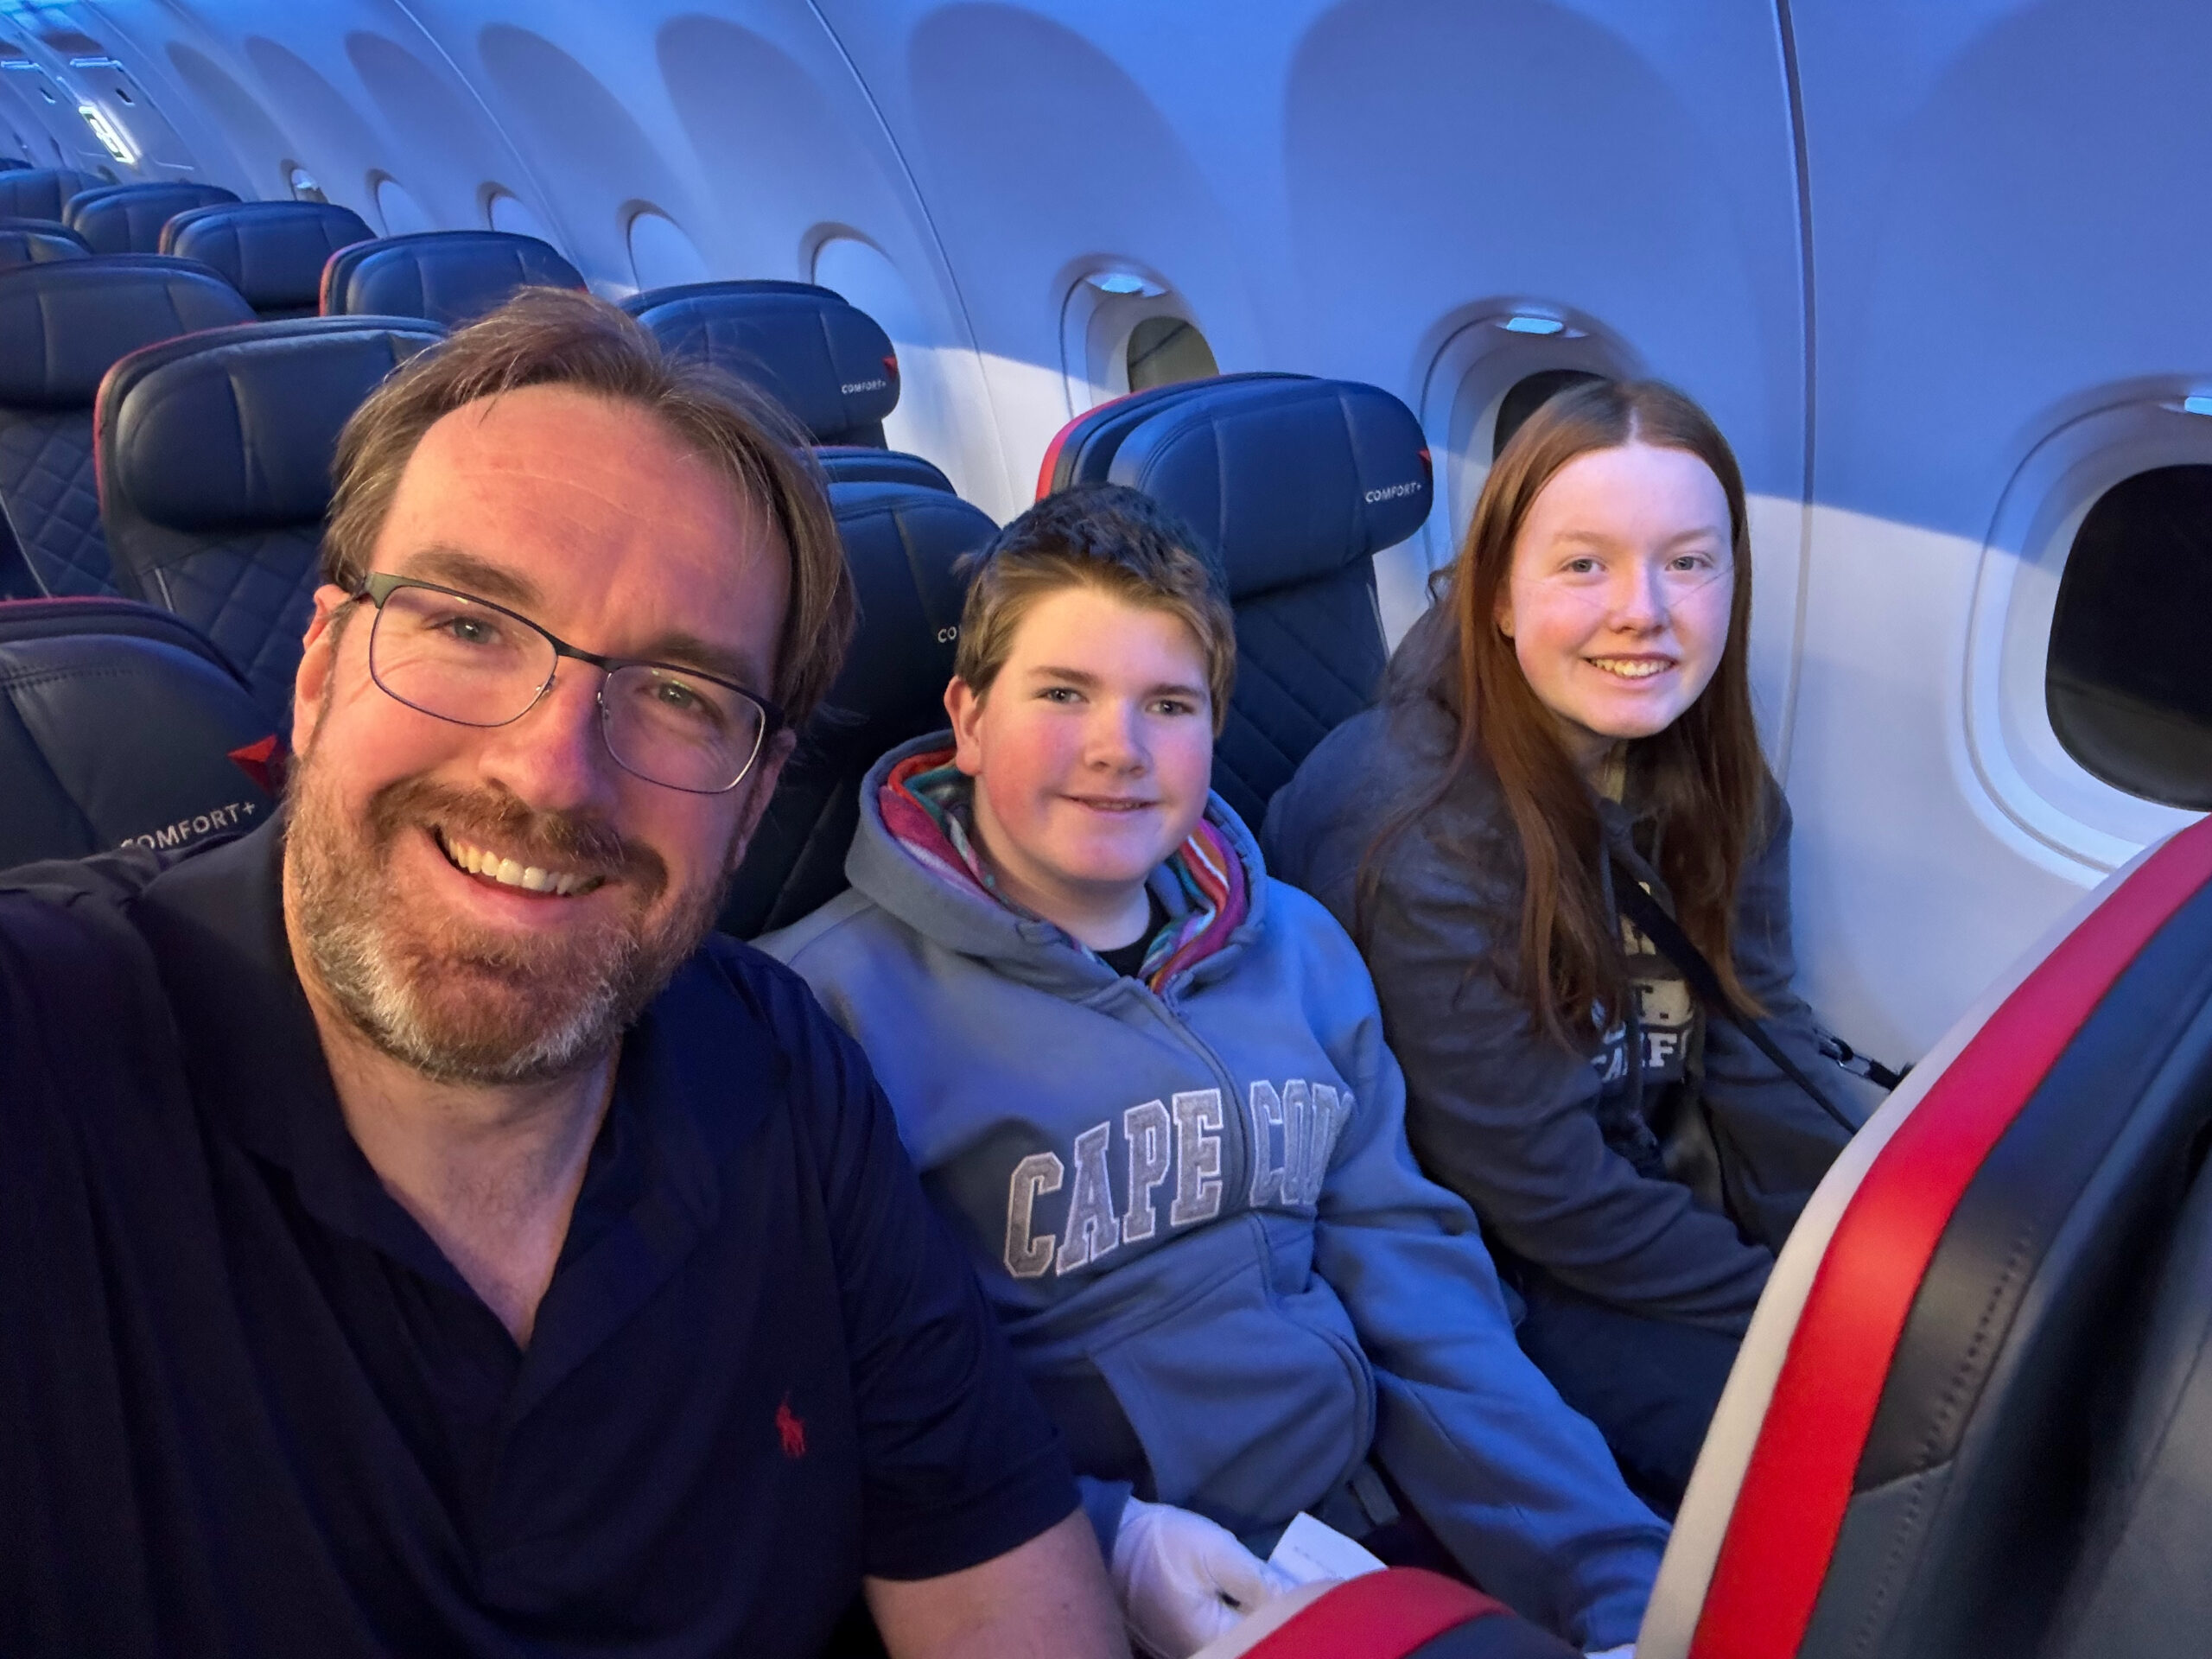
190,470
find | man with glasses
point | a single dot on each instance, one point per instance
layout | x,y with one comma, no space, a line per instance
416,1236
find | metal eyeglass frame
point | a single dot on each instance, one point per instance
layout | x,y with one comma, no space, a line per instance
376,588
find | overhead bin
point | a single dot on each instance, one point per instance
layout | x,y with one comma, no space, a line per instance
62,327
449,277
272,252
215,457
129,217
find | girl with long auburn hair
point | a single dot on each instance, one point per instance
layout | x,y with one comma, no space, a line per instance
1566,738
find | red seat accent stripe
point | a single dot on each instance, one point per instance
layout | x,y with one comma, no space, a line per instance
1053,455
1378,1616
1045,486
1791,1506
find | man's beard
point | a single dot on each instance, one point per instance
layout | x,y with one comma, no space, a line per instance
456,1001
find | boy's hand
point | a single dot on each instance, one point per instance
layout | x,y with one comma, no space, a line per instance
1182,1579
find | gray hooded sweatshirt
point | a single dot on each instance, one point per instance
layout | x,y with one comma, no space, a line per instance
1196,1215
1555,1147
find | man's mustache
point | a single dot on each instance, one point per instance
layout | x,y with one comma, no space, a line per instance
575,842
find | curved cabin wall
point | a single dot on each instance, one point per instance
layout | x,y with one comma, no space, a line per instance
1436,197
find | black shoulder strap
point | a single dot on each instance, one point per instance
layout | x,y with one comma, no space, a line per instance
1664,931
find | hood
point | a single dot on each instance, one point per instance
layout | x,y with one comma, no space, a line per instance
923,880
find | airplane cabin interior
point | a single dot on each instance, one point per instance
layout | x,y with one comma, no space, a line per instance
1298,271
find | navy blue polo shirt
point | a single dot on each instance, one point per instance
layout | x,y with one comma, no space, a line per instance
247,1407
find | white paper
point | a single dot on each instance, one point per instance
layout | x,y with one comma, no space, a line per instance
1311,1551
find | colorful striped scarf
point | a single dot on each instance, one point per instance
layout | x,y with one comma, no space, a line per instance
928,805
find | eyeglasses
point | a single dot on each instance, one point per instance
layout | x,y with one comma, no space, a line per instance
458,657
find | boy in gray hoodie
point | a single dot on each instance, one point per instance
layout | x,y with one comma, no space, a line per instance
1147,1085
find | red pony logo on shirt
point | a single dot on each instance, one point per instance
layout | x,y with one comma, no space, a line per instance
790,1429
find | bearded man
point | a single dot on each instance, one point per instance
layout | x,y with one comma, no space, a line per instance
416,1236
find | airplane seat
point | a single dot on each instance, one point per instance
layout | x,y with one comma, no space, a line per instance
38,242
856,463
828,364
43,192
273,252
128,218
1293,484
1084,447
1404,1613
119,725
2140,1584
62,326
13,164
1908,1447
215,456
901,544
450,278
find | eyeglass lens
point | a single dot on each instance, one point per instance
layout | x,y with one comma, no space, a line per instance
472,663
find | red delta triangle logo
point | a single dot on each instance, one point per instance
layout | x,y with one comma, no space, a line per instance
790,1429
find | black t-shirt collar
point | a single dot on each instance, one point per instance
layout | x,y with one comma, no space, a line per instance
255,1066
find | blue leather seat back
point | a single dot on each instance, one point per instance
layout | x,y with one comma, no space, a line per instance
1293,485
13,164
42,192
62,327
273,252
856,463
215,460
449,276
20,244
1084,449
117,725
128,218
901,544
830,365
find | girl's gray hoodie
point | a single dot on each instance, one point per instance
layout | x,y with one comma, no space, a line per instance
1198,1216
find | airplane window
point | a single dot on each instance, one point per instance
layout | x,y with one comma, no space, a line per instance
2124,684
661,256
403,215
1527,396
505,210
1165,350
304,188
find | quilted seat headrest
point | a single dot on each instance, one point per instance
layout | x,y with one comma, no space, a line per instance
42,192
28,242
828,364
449,277
128,218
120,726
273,252
901,543
1288,480
63,325
235,429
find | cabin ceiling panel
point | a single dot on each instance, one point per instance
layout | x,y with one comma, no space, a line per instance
2006,220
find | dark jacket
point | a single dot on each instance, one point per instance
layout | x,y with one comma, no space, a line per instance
1502,1112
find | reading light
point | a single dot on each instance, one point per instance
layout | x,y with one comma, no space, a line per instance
1124,282
109,135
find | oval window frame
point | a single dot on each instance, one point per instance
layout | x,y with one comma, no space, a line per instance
2072,821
